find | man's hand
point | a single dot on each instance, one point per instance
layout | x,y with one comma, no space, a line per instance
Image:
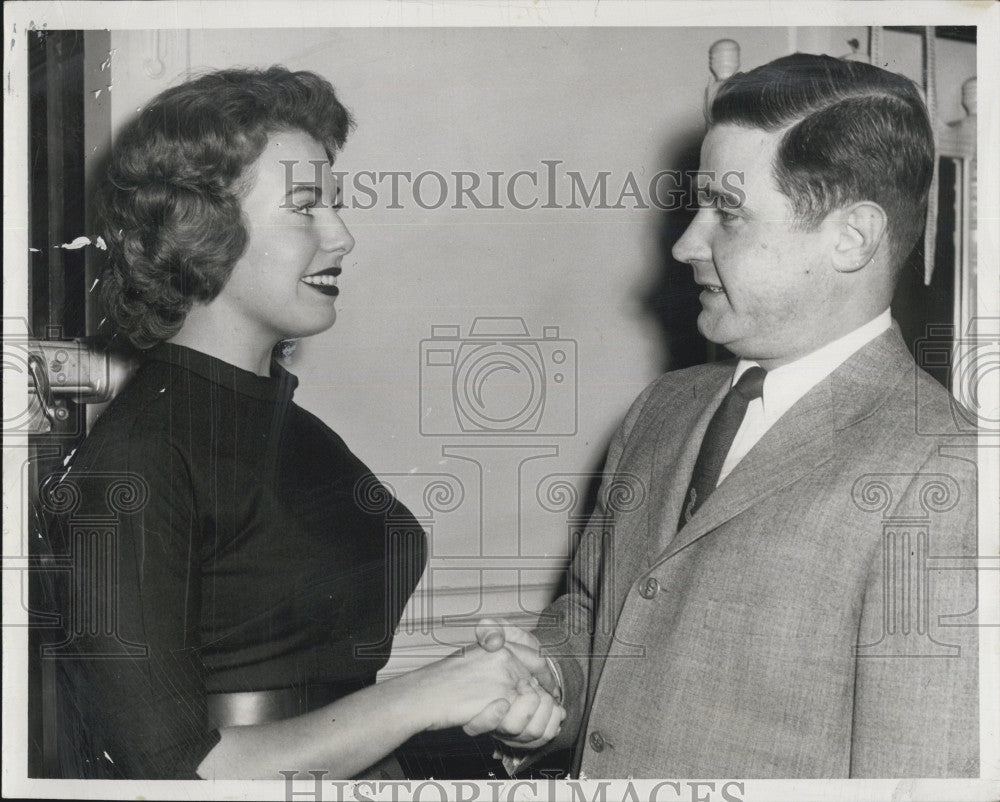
494,634
532,720
535,717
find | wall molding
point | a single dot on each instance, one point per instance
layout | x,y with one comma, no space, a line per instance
453,614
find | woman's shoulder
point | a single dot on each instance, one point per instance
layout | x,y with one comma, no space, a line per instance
132,446
311,441
309,425
142,414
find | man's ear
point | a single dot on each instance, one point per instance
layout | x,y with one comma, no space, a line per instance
860,227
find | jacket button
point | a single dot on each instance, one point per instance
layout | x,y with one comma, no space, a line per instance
649,588
597,742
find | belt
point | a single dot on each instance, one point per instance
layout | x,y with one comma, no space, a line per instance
261,707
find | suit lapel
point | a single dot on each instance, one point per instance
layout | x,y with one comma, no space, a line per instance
681,428
800,441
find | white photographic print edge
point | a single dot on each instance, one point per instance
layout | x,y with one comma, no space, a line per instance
462,238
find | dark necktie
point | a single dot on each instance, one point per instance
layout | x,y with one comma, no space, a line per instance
719,438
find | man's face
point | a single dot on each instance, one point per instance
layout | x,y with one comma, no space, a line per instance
767,280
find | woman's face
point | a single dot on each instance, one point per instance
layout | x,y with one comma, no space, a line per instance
284,285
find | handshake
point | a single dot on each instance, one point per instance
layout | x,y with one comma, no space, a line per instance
502,685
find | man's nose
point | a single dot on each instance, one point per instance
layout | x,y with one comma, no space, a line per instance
694,243
335,235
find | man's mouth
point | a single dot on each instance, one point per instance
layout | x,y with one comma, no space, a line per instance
325,281
712,288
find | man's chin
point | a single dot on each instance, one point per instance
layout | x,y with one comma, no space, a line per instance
717,333
712,329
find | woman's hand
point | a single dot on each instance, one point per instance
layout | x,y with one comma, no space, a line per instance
474,686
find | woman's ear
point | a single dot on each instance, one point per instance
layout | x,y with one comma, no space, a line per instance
861,227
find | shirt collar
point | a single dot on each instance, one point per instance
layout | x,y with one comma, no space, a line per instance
244,382
785,385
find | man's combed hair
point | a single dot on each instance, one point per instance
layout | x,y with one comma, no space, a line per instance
854,133
172,214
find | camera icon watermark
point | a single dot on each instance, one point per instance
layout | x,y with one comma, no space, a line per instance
23,358
497,380
61,375
972,364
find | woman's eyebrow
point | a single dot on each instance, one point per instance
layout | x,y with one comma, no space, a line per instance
315,194
317,191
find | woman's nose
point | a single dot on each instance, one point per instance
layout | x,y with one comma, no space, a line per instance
693,245
335,235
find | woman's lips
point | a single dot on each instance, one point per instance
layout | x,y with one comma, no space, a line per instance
325,281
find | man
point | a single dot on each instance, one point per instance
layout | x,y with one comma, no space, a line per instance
768,612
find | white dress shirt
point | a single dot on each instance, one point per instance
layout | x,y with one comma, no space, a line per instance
785,385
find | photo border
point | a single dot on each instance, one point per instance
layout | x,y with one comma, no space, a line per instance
19,17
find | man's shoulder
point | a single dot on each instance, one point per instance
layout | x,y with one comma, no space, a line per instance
921,435
687,380
927,413
904,391
671,394
937,410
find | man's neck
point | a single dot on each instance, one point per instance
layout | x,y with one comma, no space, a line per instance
860,332
828,356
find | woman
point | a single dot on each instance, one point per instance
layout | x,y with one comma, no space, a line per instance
253,582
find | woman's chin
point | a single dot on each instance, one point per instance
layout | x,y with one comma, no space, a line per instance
314,326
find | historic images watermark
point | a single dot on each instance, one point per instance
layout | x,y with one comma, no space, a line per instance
297,789
549,185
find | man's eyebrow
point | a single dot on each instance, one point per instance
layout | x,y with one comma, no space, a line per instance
730,199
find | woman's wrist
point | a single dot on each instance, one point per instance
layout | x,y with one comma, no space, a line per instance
412,699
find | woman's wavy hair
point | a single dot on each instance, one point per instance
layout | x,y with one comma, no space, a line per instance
173,220
852,132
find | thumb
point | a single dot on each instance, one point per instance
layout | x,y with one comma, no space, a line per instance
489,634
487,719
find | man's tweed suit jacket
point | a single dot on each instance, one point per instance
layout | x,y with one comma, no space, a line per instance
815,618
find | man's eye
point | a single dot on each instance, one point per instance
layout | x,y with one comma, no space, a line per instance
305,210
722,209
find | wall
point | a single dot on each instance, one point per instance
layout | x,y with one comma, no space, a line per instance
627,101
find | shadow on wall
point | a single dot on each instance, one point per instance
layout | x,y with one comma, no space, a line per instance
671,298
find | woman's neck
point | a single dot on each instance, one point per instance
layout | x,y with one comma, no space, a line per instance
206,332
